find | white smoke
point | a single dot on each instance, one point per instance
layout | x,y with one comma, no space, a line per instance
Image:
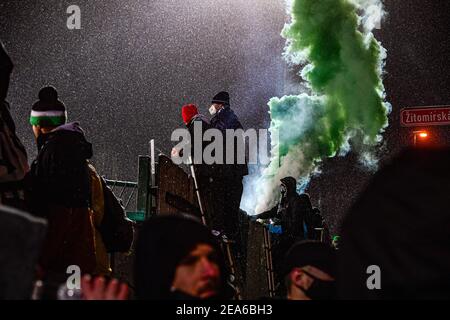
261,189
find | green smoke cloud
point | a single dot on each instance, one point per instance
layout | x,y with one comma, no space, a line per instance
342,69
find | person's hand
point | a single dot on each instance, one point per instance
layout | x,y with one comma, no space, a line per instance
97,289
262,221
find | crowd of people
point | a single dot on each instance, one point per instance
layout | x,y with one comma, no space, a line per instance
399,224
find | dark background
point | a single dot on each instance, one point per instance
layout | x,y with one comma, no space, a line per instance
126,74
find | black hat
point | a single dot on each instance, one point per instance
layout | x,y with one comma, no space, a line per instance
48,111
222,97
311,253
163,243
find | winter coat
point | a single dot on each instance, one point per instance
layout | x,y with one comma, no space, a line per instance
60,173
61,193
223,120
297,209
203,171
13,156
6,67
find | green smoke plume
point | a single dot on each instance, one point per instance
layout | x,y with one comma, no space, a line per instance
342,69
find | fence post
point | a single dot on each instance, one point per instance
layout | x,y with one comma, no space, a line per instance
143,186
153,188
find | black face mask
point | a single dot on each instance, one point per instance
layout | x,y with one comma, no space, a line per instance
321,290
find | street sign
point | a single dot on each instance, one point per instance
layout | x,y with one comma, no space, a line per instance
425,116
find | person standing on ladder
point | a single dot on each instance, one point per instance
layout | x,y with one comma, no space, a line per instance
228,185
202,173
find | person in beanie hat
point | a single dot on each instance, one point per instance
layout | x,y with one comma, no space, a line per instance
188,112
310,271
221,99
228,185
48,112
60,183
178,258
205,173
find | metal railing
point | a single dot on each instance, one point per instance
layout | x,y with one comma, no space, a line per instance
141,208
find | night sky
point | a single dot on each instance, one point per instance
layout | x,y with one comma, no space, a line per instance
127,73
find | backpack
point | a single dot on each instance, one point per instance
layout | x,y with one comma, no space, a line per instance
13,157
116,229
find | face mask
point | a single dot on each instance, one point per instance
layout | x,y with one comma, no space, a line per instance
321,290
212,110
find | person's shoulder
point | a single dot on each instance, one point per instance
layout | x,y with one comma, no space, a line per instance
61,137
68,142
232,118
230,112
302,199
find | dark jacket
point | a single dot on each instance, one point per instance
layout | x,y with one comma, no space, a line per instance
13,156
61,193
60,172
296,210
202,170
223,120
6,67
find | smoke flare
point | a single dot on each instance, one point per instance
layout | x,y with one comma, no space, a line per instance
342,70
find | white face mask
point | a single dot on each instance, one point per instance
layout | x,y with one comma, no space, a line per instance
212,110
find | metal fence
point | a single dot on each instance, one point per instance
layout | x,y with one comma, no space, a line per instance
136,196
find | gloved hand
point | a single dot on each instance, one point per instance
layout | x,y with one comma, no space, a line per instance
262,221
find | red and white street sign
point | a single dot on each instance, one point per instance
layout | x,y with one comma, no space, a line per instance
425,116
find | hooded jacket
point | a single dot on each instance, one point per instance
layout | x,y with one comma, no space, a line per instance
60,172
61,193
297,208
